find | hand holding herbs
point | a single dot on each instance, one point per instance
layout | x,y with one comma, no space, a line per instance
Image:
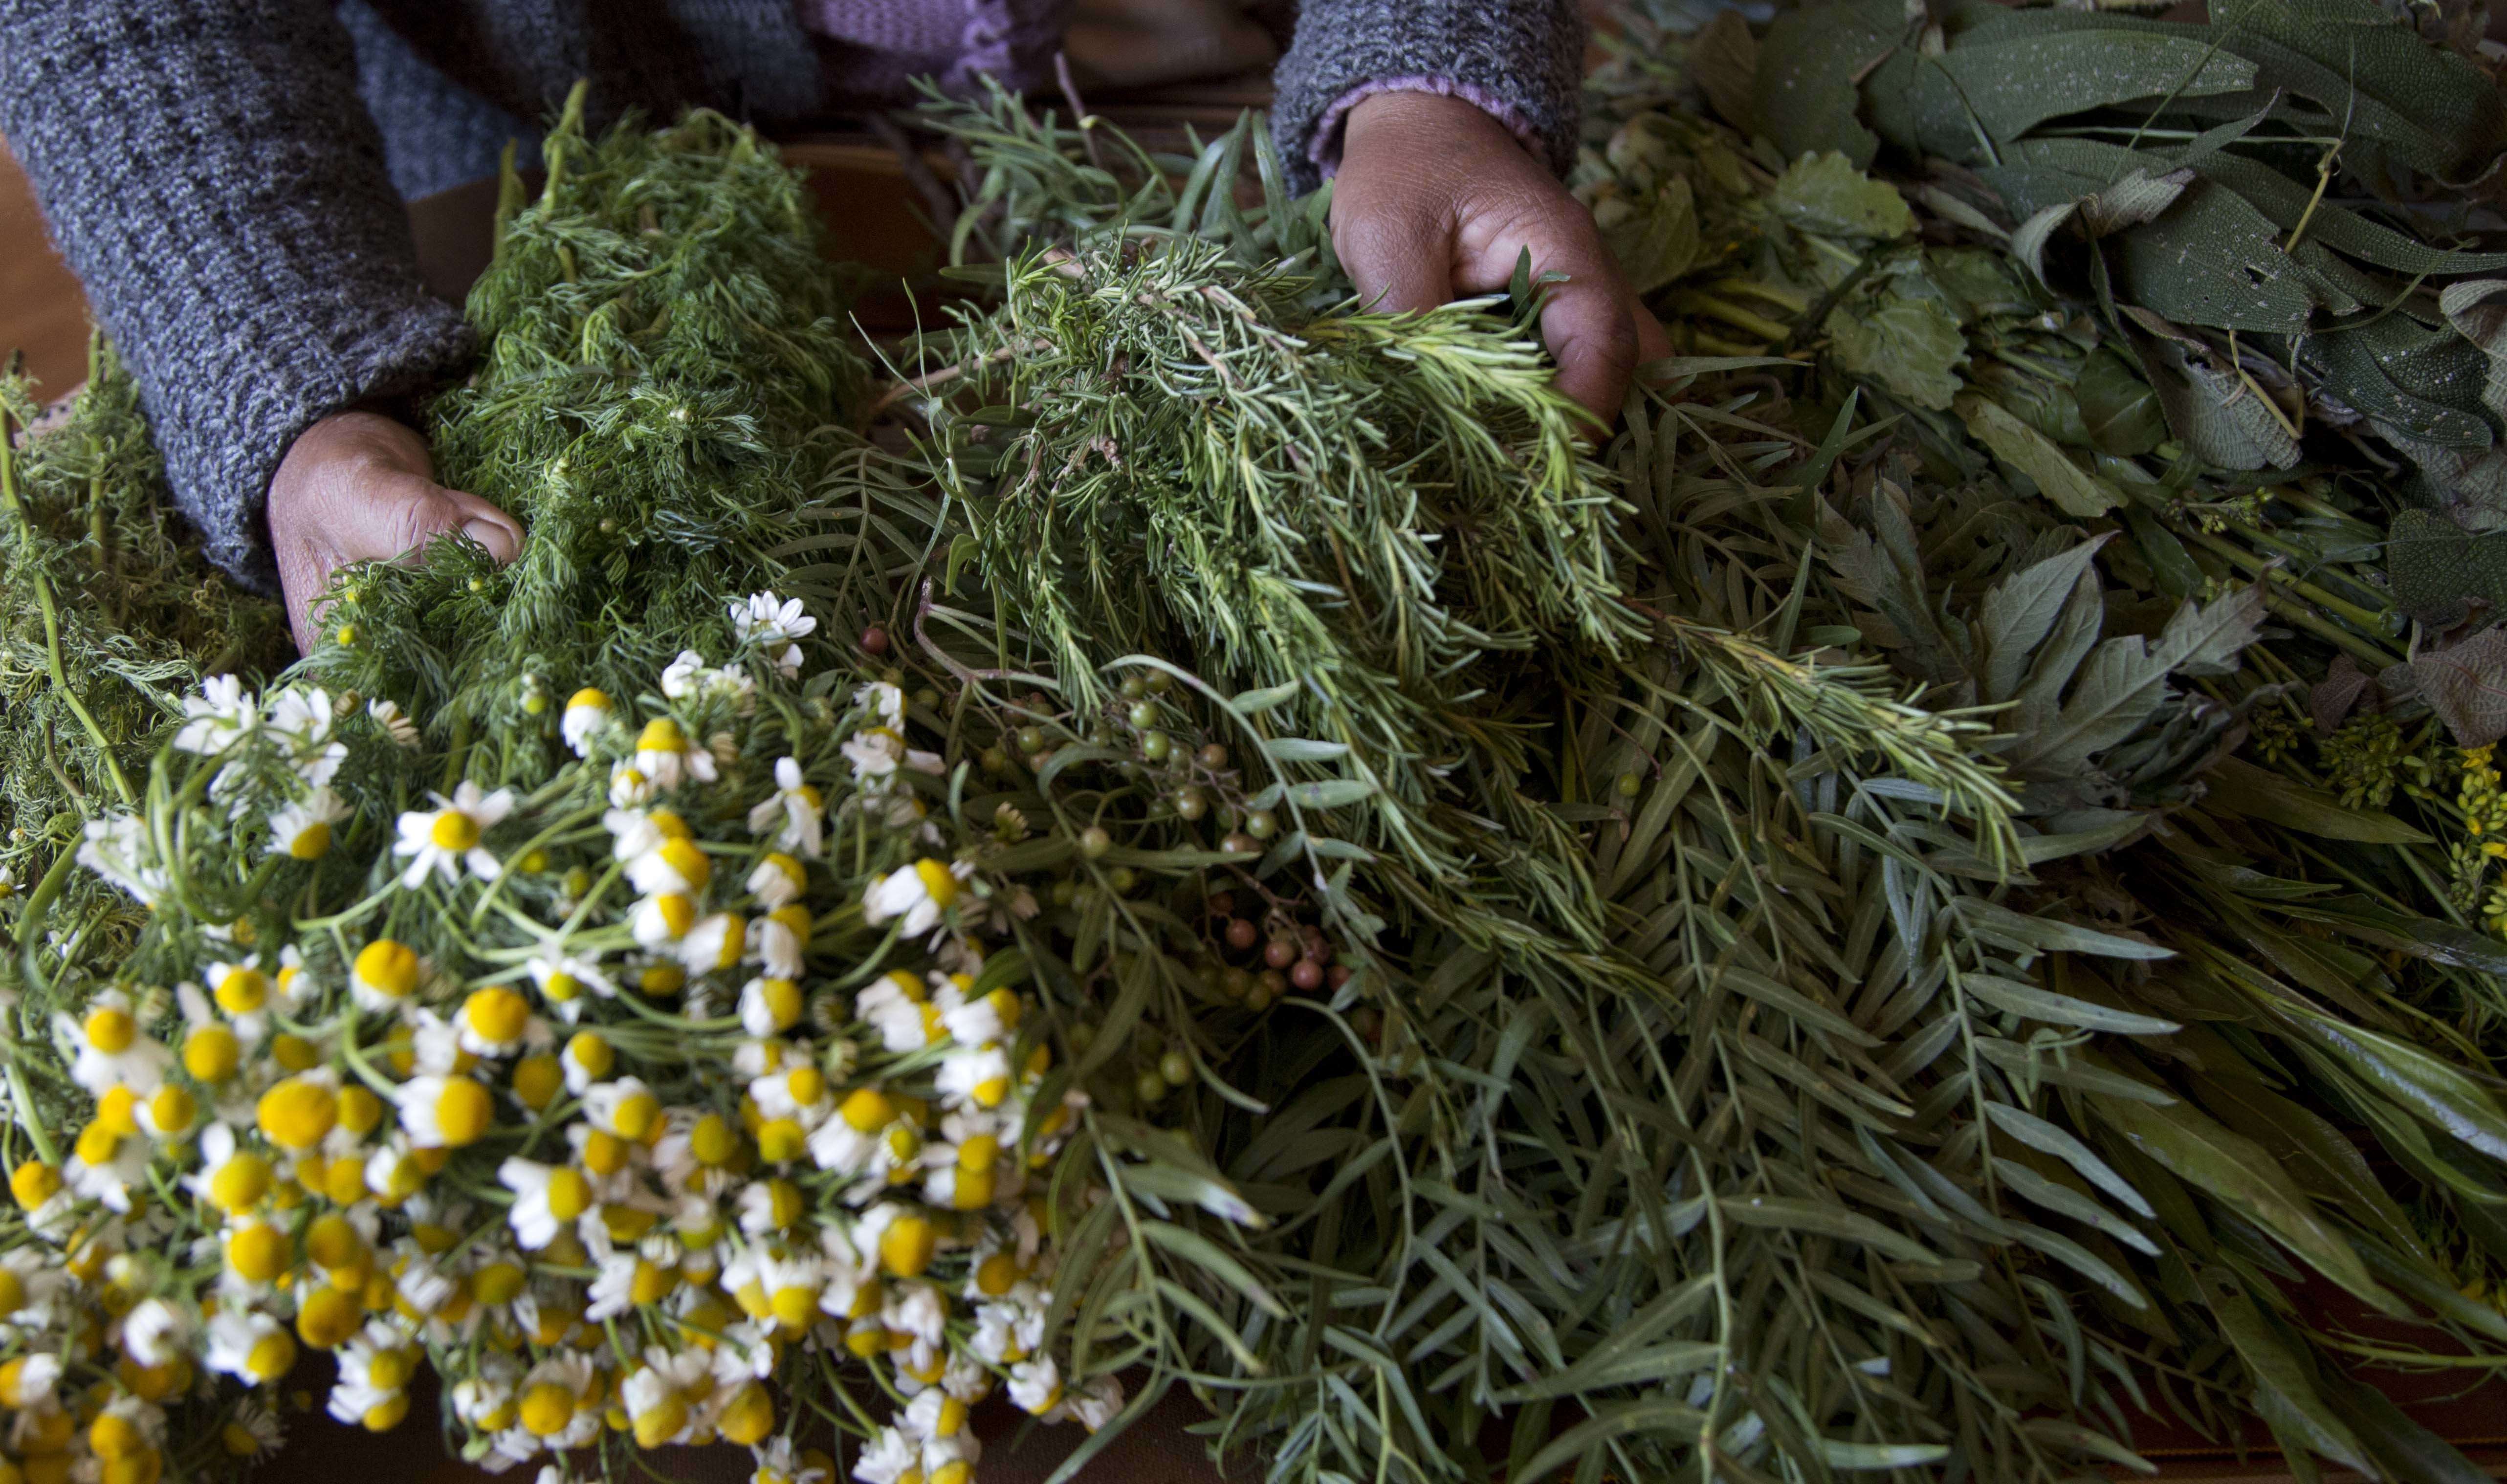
358,487
1918,906
1436,201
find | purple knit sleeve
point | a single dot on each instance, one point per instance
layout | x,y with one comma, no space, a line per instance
1521,61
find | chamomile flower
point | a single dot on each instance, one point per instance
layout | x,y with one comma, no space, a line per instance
301,829
118,849
1035,1386
495,1021
876,753
990,1017
975,1076
446,838
629,786
564,979
587,712
917,893
110,1048
888,1457
547,1199
717,941
895,1006
779,1462
393,723
770,1006
300,718
249,1345
779,940
251,1431
1095,1405
384,975
155,1332
375,1369
662,1395
624,1108
445,1113
778,881
768,621
796,810
221,715
665,755
850,1141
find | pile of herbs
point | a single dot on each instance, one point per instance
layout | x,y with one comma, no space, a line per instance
1932,898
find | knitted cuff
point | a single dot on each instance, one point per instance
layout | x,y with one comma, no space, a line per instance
1521,61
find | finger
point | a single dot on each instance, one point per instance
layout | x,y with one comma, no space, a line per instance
1653,342
1397,265
1591,324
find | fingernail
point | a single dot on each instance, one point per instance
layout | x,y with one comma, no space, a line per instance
495,536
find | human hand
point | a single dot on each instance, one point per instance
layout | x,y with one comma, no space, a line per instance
1436,198
358,487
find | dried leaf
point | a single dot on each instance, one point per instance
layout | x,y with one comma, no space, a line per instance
1826,194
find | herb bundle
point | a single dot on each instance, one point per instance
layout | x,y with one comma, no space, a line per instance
1914,908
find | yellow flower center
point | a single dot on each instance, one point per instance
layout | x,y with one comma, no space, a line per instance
780,1140
328,1318
313,841
806,1084
997,1275
293,1052
297,1112
689,860
272,1356
172,1110
498,1283
259,1252
537,1080
635,1116
387,967
33,1183
496,1014
562,986
239,1182
548,1409
661,735
111,1030
867,1109
905,1249
463,1110
940,885
243,990
603,1154
748,1417
589,1051
359,1110
783,1001
211,1053
712,1141
453,830
570,1194
587,698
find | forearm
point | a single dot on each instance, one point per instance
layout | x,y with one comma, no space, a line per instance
207,170
1519,61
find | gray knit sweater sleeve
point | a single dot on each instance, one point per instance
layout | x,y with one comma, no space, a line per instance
209,173
1521,60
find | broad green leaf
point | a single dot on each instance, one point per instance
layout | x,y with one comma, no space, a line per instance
1825,195
2028,999
1912,347
1803,93
2019,611
2239,787
2121,411
1255,703
2052,1138
2234,1170
2024,450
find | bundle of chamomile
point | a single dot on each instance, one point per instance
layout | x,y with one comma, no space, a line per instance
569,979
